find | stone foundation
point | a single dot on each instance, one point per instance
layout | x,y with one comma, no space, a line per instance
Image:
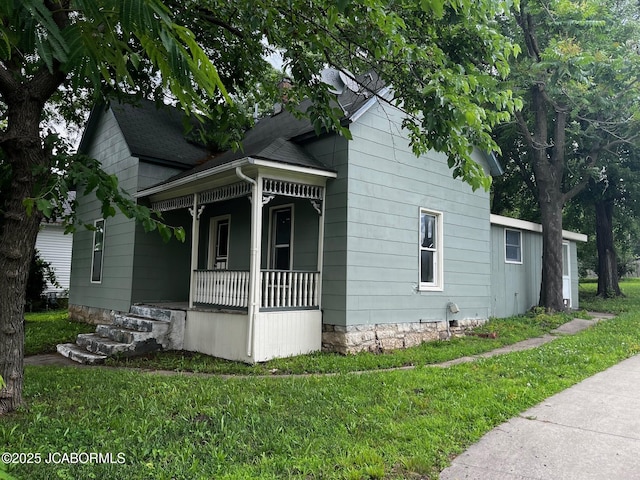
92,315
391,336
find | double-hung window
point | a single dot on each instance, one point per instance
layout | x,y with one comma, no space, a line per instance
98,251
512,246
431,271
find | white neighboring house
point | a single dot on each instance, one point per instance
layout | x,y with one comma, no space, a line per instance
55,248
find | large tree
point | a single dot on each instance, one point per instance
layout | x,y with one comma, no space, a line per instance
578,77
444,59
610,204
53,49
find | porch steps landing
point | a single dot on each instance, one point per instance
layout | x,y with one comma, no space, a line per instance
145,329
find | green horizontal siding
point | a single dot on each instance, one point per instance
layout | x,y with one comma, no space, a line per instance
515,287
114,292
333,152
387,186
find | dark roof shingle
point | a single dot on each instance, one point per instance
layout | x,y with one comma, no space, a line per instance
157,134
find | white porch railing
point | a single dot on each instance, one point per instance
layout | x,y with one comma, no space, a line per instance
279,288
289,289
228,288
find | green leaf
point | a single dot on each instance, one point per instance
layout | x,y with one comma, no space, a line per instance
5,45
44,206
180,234
28,205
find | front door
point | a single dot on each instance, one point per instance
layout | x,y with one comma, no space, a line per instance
281,241
219,243
566,274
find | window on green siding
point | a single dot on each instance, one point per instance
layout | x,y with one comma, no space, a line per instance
98,251
431,271
512,246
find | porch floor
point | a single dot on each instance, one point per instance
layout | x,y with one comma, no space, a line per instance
200,308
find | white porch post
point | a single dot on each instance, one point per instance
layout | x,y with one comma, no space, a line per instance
321,245
195,234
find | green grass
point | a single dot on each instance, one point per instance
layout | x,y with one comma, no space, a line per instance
507,330
629,303
401,424
378,425
44,330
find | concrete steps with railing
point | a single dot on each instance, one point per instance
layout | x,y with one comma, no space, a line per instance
145,329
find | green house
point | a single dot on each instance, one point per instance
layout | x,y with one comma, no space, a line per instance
297,242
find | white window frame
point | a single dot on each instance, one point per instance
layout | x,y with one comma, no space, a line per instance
438,268
213,239
506,258
272,211
93,249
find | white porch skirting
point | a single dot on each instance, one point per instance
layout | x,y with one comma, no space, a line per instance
276,334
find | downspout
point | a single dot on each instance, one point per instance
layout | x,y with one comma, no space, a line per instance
195,232
254,264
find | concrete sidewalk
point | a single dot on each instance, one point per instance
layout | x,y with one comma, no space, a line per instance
589,431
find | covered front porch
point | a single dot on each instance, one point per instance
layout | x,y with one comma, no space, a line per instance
256,238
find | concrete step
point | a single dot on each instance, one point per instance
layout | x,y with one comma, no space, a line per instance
146,329
94,343
80,355
102,346
141,324
154,313
122,335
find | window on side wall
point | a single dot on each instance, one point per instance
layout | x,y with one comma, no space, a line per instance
97,251
431,239
512,246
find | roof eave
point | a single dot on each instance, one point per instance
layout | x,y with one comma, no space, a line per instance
495,168
518,224
260,162
210,172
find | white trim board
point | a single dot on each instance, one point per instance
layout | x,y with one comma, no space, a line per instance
533,227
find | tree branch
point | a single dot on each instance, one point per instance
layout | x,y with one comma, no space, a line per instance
206,15
573,191
527,178
524,129
525,22
8,84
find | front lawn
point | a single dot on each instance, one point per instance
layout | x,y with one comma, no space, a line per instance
629,303
377,425
507,331
399,424
44,330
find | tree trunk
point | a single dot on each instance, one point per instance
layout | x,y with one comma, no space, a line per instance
548,167
551,214
607,262
18,231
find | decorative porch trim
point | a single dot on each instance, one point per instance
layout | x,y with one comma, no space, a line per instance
291,189
226,192
272,187
219,194
173,203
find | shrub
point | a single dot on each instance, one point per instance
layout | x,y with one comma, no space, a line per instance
40,272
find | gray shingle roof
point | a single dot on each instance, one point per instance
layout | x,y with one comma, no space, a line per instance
157,134
279,136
